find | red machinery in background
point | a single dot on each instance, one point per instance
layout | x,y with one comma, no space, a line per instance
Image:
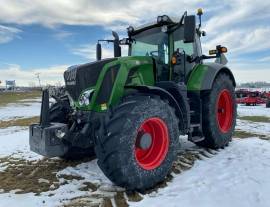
251,98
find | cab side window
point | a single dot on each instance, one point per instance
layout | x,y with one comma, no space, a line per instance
178,37
187,47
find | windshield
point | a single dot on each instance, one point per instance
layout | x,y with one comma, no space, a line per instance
152,42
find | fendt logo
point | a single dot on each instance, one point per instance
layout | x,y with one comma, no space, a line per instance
70,76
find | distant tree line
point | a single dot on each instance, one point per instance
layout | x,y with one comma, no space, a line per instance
258,84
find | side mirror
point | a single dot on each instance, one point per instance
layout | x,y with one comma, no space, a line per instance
98,51
116,46
189,29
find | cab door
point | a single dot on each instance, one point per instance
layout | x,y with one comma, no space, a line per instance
186,51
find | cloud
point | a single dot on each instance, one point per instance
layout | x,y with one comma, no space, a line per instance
254,75
242,26
265,59
85,12
61,34
234,23
249,70
50,75
239,14
88,51
7,34
241,41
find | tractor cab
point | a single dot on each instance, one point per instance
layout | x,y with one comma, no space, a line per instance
174,45
166,44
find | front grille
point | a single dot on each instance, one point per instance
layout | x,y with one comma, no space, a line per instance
78,78
107,84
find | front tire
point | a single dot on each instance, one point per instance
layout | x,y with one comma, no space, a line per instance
219,113
138,142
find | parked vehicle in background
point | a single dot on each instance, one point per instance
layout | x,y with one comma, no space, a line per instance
251,98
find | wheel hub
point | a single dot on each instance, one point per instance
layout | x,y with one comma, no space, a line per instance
145,141
224,111
152,143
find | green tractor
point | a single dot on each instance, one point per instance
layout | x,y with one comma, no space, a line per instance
130,111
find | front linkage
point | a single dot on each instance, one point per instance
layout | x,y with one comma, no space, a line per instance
61,129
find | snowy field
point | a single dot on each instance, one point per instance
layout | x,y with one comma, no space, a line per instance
23,109
237,176
259,110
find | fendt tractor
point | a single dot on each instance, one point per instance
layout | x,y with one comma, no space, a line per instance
130,111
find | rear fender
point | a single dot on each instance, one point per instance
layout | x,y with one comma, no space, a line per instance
202,77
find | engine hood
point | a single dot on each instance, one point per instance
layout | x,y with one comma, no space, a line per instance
80,77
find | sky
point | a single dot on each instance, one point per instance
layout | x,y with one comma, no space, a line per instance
45,37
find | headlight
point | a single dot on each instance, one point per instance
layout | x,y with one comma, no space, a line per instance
84,99
60,133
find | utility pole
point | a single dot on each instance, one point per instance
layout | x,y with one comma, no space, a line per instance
37,75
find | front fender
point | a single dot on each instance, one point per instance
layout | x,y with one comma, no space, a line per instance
181,112
203,76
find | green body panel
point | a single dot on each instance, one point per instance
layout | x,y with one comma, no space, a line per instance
196,77
142,74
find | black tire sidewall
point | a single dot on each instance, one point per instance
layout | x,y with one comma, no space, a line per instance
137,177
210,123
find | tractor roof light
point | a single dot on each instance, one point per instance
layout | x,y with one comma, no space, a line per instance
164,19
219,49
130,29
199,12
159,19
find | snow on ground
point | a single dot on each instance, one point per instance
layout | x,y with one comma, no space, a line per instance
260,110
15,141
20,110
253,127
237,176
64,193
44,200
16,145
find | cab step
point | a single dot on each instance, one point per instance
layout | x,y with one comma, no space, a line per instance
196,139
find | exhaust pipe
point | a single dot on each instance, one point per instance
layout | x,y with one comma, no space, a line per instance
44,115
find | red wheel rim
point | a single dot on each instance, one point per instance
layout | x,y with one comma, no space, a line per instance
152,157
224,111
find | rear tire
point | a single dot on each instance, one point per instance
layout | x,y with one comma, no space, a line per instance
59,113
121,156
219,113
